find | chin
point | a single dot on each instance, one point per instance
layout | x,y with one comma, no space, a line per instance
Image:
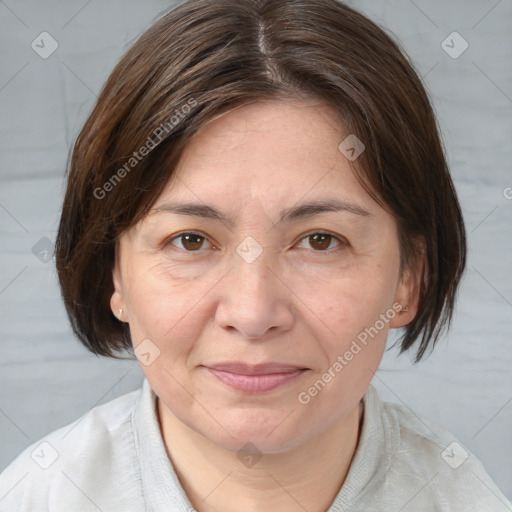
269,433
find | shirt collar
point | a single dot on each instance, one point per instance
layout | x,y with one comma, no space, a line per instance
161,487
373,456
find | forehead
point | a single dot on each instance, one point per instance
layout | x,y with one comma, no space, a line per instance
275,151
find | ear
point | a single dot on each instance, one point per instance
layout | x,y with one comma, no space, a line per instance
409,287
117,301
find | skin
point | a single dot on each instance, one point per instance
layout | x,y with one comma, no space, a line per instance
299,302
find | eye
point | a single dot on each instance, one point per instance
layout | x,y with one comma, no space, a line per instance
320,242
189,241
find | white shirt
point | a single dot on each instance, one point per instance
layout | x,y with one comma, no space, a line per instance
113,459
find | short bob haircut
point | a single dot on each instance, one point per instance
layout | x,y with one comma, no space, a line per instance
206,57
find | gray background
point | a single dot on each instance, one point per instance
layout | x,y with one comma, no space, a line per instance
47,379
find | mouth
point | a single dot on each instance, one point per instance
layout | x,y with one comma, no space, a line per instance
255,379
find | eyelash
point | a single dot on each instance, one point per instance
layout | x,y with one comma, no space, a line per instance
342,243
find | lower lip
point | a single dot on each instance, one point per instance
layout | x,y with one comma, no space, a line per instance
255,383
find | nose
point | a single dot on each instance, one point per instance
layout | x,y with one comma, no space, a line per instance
254,300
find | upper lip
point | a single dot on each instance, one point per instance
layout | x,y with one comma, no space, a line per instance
255,369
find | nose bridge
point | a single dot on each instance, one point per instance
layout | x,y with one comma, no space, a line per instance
253,279
253,299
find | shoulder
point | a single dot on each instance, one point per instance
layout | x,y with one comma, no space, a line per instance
428,465
76,463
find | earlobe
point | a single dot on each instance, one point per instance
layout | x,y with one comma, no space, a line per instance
117,311
117,303
403,316
404,306
408,295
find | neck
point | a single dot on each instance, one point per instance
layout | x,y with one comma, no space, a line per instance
306,478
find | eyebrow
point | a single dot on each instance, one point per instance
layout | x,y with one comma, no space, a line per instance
294,213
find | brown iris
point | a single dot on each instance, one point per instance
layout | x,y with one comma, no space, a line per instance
320,241
191,241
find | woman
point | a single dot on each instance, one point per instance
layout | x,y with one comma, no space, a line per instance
259,195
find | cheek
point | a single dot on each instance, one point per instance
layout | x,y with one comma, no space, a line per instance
352,311
353,353
344,303
162,307
168,315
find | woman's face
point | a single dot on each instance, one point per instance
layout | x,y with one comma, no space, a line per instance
247,275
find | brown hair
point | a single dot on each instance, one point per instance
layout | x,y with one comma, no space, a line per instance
207,56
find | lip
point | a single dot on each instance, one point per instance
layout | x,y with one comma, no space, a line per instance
255,378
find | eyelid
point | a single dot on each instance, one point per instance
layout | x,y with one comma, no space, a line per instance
169,240
342,242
